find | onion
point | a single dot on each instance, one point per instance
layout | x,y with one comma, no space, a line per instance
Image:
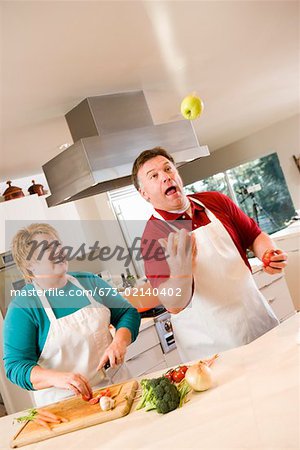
199,376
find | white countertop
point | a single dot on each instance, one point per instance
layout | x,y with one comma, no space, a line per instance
255,264
290,231
146,323
254,405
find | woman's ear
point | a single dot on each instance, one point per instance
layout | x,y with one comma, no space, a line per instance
30,268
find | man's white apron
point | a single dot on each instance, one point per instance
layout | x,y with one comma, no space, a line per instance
227,310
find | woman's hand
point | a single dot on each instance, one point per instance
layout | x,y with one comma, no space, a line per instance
73,382
116,351
46,378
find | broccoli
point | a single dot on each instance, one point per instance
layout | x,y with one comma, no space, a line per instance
159,394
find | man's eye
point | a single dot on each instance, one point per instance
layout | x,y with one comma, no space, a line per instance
153,176
168,169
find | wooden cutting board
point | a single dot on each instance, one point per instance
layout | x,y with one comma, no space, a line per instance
80,414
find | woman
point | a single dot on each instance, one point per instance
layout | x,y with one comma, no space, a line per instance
56,331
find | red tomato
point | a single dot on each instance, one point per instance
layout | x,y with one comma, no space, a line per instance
184,368
169,375
266,259
94,400
106,392
178,375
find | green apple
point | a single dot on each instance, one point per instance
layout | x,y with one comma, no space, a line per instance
191,107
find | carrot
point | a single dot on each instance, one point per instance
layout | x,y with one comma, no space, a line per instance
42,423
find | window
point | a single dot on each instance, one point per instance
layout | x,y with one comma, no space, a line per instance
132,213
258,187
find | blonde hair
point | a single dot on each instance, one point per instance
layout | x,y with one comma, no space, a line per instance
21,245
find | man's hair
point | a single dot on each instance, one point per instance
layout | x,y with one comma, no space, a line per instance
22,243
143,158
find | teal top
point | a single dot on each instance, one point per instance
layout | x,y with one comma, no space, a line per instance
26,324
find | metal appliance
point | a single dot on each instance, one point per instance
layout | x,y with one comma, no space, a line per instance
10,279
14,398
165,332
109,132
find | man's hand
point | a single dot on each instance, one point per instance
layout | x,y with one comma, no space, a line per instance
181,254
275,260
181,251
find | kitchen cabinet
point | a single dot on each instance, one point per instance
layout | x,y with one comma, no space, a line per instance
278,297
17,211
23,211
14,397
145,355
289,241
274,288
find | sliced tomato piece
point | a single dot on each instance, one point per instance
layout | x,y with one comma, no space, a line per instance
94,400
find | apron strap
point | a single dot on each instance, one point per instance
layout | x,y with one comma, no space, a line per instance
45,303
91,299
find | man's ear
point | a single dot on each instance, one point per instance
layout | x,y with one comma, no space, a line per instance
144,195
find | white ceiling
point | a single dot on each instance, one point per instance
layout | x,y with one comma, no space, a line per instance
241,57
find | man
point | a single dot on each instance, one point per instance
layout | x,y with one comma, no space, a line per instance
205,279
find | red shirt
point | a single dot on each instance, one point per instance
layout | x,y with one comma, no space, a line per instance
242,229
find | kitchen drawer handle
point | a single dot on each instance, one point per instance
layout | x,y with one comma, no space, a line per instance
271,300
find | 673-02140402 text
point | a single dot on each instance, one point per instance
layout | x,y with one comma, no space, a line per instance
101,291
140,292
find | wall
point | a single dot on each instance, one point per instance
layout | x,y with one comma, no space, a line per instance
282,137
99,224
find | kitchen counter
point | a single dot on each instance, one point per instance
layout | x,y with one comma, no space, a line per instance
255,264
146,323
292,230
254,405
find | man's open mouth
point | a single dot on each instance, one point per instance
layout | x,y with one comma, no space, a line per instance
171,190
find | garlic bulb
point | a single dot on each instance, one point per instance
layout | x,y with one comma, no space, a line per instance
106,403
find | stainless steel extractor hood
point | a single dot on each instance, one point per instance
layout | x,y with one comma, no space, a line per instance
109,132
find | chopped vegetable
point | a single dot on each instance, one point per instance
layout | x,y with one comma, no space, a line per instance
41,417
32,413
105,393
159,394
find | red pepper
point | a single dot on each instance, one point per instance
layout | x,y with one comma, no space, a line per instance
105,393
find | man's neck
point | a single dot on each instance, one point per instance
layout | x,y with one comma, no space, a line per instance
185,207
